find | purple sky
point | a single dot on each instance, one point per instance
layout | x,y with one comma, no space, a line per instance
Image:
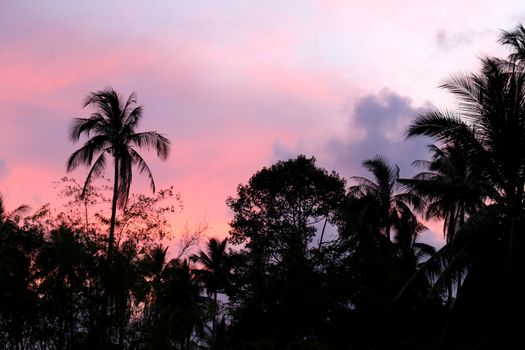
235,85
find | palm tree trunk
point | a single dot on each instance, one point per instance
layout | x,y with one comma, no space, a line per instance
113,208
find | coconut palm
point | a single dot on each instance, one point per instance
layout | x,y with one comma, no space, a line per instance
516,40
111,129
451,188
489,130
152,267
215,274
8,219
179,307
410,254
17,299
452,192
380,197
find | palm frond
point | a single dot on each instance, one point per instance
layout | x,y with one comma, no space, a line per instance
80,126
442,126
516,40
142,166
96,170
151,140
86,153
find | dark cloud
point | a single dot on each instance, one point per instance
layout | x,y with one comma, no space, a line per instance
383,119
376,126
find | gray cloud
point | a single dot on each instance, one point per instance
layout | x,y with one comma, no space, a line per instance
376,126
447,41
383,119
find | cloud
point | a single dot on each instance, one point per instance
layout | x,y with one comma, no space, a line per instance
446,40
376,125
379,121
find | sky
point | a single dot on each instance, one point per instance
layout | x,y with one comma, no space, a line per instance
235,85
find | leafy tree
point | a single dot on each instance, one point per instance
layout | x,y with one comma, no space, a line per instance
276,216
111,129
146,218
279,208
78,202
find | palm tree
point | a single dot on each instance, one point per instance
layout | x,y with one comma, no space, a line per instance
489,130
153,264
380,196
179,306
216,274
453,192
17,298
8,219
410,254
516,40
450,187
111,129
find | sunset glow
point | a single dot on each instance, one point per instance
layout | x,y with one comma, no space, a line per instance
235,85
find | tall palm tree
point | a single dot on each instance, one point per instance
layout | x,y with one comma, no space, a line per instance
111,129
453,192
489,129
450,187
381,196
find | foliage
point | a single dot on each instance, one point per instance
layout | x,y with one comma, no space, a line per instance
111,129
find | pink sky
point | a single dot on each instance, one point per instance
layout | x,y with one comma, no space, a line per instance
235,85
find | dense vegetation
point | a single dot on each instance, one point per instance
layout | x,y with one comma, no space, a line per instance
313,261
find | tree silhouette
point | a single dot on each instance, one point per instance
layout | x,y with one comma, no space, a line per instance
489,129
215,274
8,219
276,285
17,299
111,129
380,197
516,40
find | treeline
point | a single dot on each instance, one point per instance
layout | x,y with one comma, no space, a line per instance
313,261
309,266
